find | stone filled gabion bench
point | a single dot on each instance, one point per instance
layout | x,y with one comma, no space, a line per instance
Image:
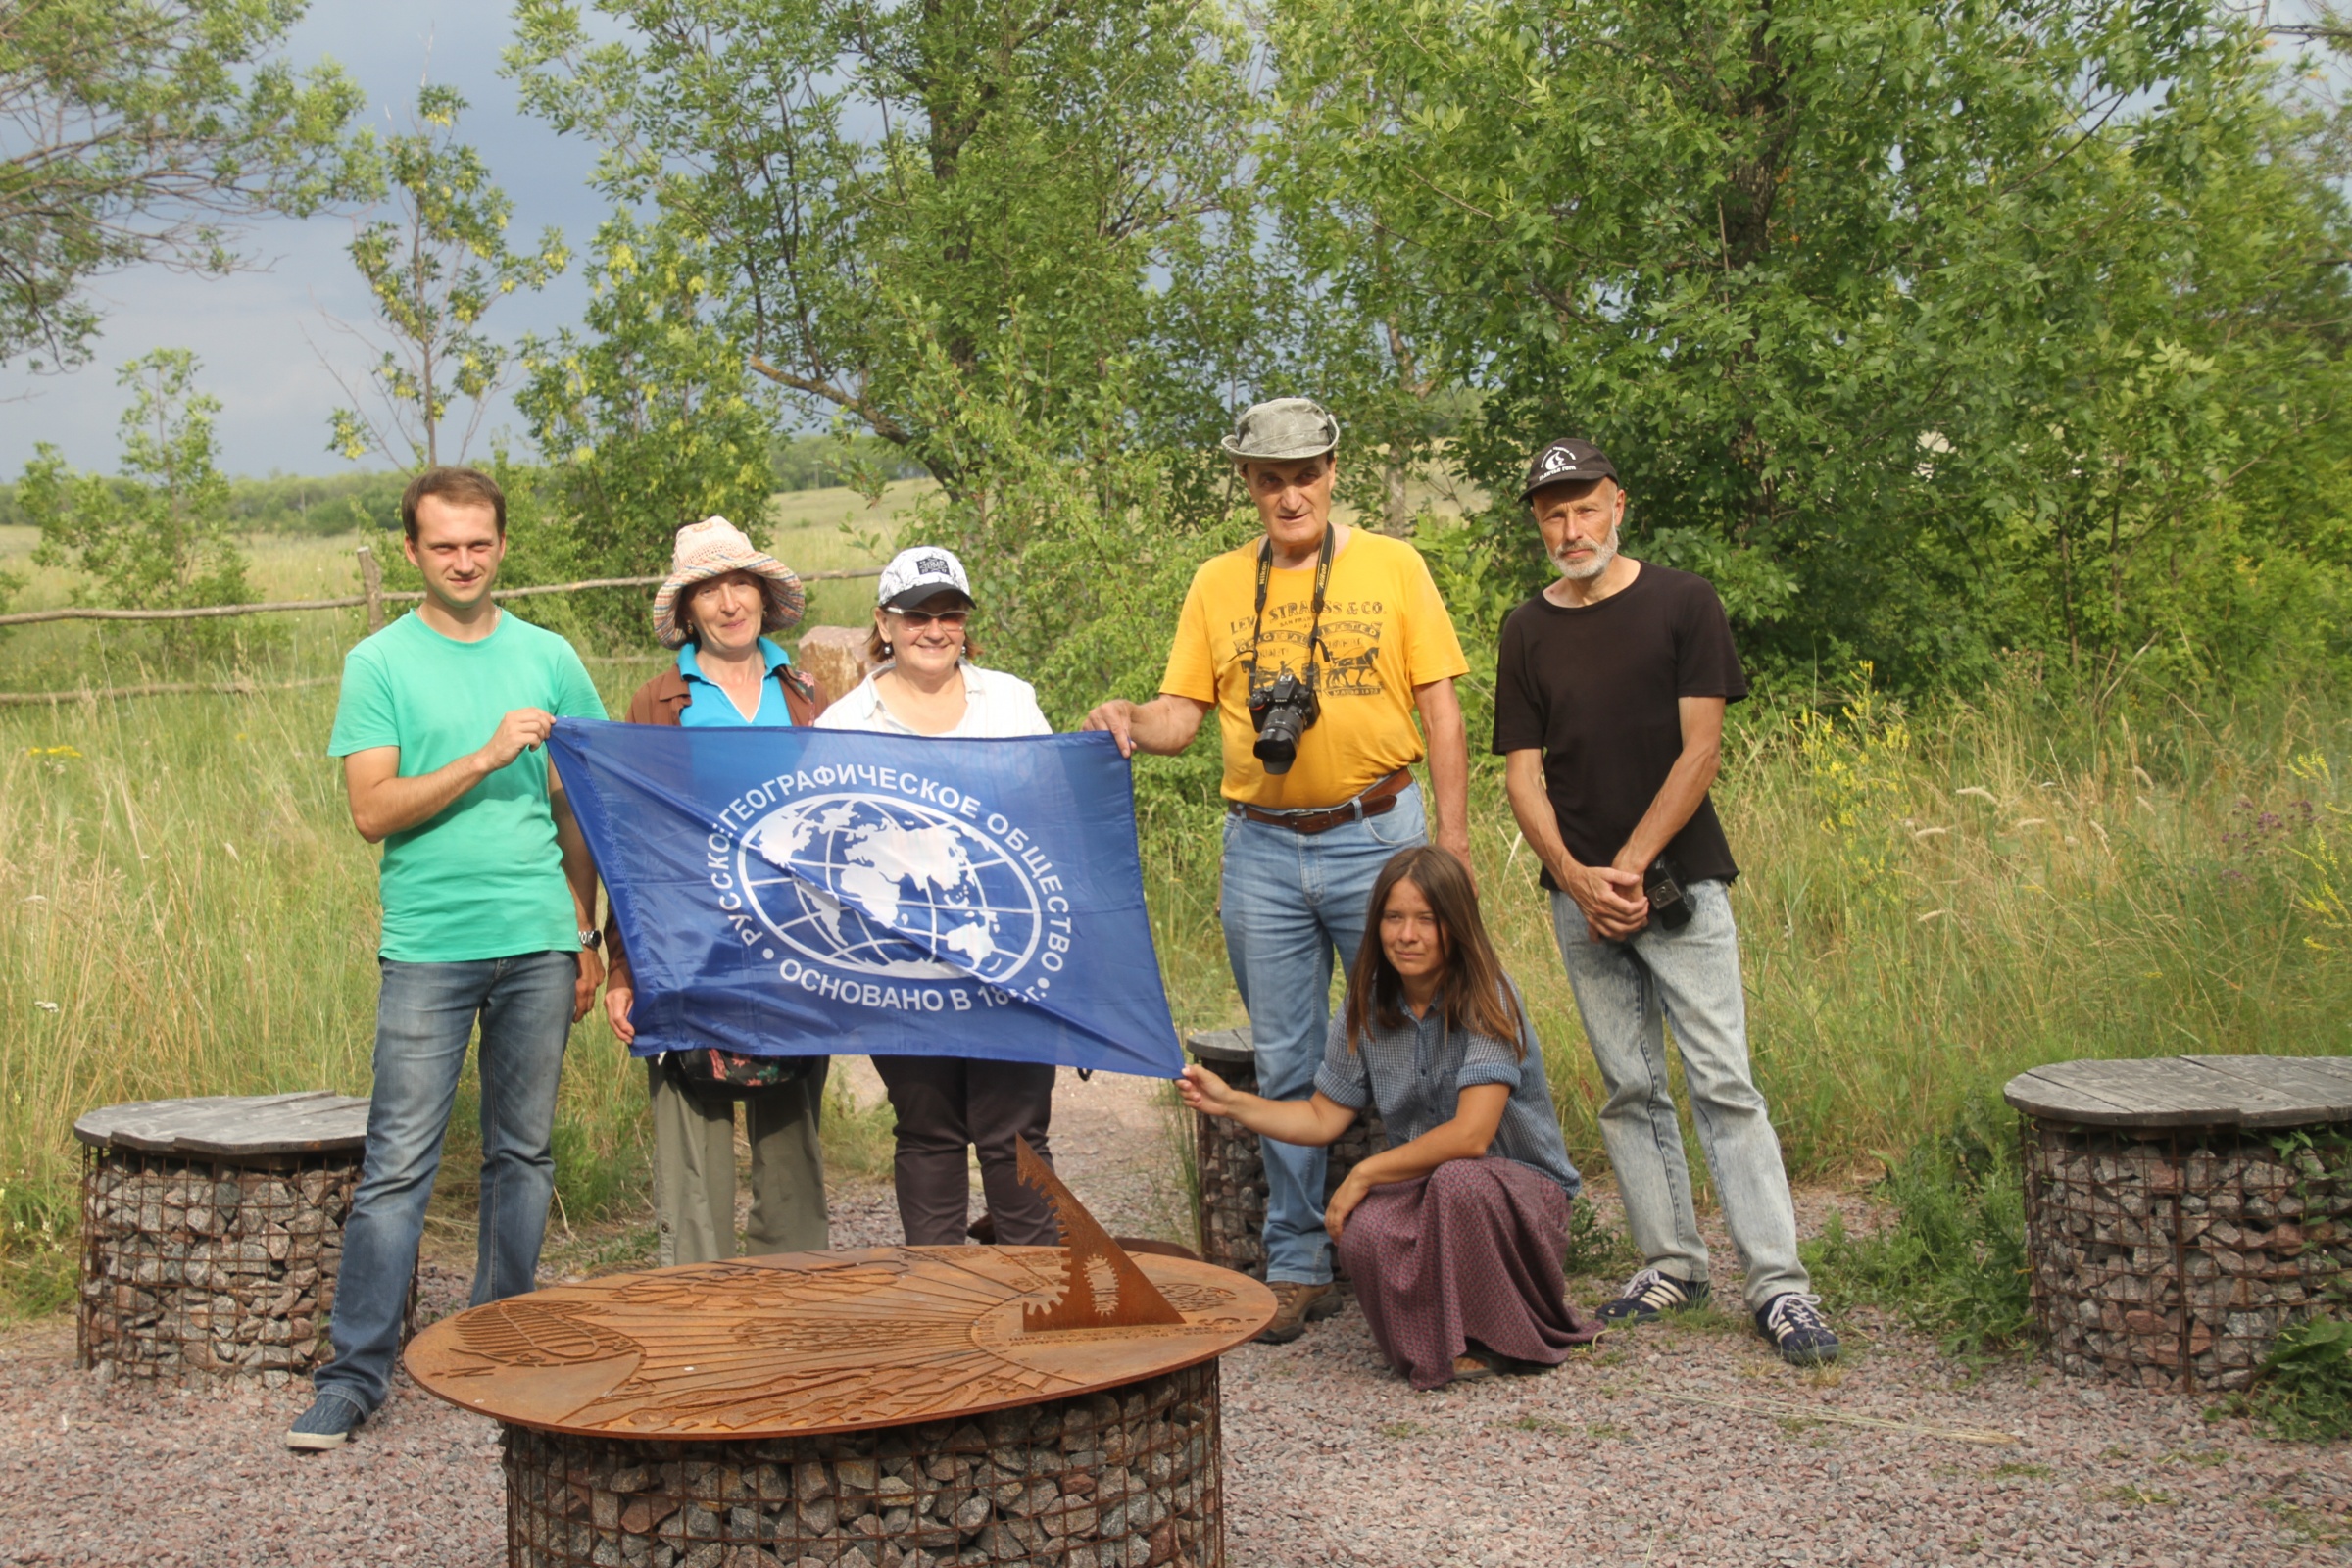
2181,1211
897,1407
1233,1171
212,1232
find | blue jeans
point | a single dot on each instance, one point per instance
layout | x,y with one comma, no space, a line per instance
423,1017
1292,900
1627,993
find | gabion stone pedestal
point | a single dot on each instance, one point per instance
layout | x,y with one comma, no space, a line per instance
1127,1477
2181,1211
212,1232
900,1408
1233,1171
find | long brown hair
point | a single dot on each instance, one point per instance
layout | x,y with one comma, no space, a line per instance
1471,987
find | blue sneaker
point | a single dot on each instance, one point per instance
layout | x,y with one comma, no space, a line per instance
1793,1322
1649,1295
327,1424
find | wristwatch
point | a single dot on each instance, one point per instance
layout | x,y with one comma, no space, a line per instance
592,940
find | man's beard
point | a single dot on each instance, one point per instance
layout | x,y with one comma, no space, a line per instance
1602,554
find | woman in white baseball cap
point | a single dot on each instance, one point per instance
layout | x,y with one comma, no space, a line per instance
928,685
925,682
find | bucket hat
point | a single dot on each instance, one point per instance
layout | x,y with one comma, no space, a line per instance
1283,430
712,548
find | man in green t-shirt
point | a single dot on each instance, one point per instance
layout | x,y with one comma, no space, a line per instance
489,904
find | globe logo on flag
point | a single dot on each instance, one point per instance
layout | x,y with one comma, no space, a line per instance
884,886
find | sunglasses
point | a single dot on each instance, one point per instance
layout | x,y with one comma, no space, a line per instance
919,618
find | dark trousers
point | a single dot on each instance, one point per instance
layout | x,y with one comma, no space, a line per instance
947,1103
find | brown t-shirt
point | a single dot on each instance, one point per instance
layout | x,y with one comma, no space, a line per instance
1594,688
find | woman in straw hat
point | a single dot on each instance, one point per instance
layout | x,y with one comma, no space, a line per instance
928,685
721,600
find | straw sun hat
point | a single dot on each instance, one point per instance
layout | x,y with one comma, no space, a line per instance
712,548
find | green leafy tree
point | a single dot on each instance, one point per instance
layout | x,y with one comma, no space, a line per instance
431,274
650,420
158,537
1927,330
143,130
884,191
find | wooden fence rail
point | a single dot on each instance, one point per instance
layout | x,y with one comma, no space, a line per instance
374,599
369,575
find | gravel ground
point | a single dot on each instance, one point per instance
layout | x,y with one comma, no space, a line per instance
1686,1443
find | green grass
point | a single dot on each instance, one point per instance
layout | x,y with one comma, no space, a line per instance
1952,1260
2303,1391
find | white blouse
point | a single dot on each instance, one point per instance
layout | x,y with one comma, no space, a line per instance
995,705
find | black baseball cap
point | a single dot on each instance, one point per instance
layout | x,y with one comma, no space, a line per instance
1566,461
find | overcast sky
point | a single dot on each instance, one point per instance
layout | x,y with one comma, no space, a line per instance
248,328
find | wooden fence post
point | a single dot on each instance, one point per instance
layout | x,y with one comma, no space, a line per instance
372,583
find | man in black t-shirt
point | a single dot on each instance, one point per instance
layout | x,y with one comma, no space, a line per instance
1608,705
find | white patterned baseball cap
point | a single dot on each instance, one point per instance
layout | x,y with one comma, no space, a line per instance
916,574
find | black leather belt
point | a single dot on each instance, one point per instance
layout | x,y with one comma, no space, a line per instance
1378,801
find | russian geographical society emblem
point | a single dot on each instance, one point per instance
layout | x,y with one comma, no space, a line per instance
909,884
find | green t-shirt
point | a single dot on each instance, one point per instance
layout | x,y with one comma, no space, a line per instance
484,879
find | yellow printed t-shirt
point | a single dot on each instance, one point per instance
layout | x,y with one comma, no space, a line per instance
1385,632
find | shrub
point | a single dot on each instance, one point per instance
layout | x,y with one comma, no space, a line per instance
158,538
1953,1262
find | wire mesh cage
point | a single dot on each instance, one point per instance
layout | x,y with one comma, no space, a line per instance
2174,1257
1233,1169
195,1264
1125,1478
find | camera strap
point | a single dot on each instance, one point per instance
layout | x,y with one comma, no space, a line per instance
1314,623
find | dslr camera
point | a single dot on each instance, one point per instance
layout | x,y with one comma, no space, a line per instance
1282,712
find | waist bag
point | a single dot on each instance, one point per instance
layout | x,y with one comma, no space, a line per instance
725,1074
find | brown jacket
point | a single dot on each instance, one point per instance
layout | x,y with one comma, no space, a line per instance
660,700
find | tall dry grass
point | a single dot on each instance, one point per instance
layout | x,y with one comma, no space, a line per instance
184,909
1930,905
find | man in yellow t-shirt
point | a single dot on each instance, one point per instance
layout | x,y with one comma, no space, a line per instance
1318,644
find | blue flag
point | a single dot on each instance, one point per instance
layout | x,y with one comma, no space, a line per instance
805,892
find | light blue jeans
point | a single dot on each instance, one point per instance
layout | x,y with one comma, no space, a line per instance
1290,902
1627,993
423,1017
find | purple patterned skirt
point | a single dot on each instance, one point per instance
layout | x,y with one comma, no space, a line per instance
1471,1251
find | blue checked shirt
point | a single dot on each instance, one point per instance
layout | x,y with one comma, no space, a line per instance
1415,1074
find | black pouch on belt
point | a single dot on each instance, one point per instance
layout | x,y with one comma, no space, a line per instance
1663,882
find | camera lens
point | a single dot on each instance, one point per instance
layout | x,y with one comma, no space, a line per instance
1277,748
1282,712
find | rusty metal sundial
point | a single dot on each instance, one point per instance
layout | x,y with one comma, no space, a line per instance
807,1343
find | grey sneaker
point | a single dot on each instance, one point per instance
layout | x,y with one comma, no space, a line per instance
1793,1322
1650,1294
327,1424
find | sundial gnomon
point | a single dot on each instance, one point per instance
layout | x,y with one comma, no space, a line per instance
816,1342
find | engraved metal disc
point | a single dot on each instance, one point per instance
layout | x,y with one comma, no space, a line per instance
820,1342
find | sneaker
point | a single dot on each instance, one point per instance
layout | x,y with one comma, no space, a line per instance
327,1424
1296,1306
1650,1294
1793,1322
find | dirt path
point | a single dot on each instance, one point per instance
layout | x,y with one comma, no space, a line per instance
1681,1444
